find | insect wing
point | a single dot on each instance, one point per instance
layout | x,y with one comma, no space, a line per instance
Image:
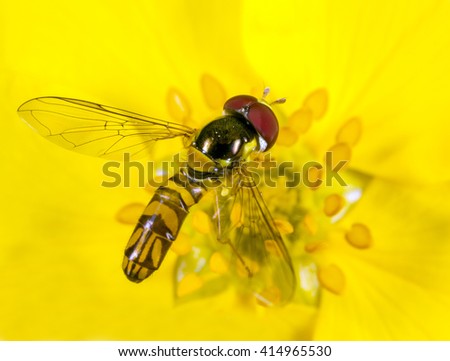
95,129
245,224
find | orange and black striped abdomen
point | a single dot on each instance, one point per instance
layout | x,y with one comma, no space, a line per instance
159,225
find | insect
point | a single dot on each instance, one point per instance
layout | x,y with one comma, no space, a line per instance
216,154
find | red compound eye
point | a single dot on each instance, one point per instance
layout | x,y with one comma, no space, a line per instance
265,122
258,114
238,102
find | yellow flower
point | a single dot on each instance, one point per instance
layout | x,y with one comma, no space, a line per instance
381,271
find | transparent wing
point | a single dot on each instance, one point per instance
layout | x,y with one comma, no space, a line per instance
95,129
245,224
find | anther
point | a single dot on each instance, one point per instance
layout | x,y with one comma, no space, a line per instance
189,284
272,247
130,213
332,278
177,105
284,226
340,152
218,264
287,137
201,222
333,204
236,214
315,176
301,120
359,236
350,132
310,224
213,92
317,101
182,245
315,246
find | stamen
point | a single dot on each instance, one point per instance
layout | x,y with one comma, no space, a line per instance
182,245
333,204
177,105
350,132
272,247
340,152
301,120
213,92
189,284
314,177
285,227
130,213
287,137
317,101
315,246
359,236
332,278
218,264
201,222
310,224
235,215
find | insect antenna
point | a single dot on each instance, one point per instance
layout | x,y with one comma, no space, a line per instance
266,92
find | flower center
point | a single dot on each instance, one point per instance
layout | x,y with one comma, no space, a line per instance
310,216
322,227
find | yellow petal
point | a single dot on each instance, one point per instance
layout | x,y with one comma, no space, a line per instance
393,79
398,288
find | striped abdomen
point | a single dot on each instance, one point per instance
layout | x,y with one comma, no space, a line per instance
159,225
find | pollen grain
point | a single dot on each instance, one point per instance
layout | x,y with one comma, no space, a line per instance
350,132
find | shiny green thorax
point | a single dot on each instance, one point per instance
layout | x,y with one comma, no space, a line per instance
227,140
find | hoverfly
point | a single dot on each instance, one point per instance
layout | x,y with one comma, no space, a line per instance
217,153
